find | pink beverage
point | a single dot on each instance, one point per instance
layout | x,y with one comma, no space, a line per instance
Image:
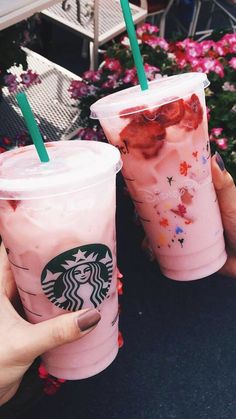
57,221
162,135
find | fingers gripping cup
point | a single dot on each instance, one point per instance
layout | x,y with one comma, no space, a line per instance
162,135
57,221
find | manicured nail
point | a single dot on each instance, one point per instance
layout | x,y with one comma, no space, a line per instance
220,161
88,319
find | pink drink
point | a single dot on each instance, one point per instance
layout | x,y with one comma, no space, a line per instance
162,135
57,221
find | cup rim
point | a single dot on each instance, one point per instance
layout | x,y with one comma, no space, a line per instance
119,104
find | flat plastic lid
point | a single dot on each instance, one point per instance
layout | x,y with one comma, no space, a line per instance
73,165
164,90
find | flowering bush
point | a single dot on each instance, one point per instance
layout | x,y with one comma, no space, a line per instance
11,40
161,58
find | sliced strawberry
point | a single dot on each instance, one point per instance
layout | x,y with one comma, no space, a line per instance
133,113
13,203
171,113
145,136
193,114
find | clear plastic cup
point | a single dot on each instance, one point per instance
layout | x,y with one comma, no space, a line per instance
57,222
162,134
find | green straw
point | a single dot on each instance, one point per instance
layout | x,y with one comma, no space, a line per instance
32,127
134,44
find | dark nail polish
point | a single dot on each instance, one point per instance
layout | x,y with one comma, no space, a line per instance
88,319
220,161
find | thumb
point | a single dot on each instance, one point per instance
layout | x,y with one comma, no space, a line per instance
226,193
63,329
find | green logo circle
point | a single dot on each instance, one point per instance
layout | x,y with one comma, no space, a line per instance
78,278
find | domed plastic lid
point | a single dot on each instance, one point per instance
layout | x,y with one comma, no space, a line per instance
161,91
73,165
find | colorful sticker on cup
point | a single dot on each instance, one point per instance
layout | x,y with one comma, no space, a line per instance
85,270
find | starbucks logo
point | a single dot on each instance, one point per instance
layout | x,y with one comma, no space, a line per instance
79,275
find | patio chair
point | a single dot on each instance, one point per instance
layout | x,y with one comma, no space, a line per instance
98,21
215,6
156,8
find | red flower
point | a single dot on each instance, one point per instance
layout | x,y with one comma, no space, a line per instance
181,210
119,287
112,64
42,371
164,222
184,166
120,340
51,384
29,78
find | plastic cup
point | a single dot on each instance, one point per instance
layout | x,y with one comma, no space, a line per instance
57,222
162,135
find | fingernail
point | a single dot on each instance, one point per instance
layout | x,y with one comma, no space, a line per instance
88,319
220,161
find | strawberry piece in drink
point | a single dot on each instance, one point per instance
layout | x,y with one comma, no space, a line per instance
193,113
144,135
171,113
134,113
13,203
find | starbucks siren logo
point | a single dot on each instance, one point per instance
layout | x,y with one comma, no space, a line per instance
81,273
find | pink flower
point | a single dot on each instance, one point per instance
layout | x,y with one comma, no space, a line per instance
146,28
90,134
222,143
206,46
216,131
208,65
11,81
155,41
130,76
182,63
232,63
229,40
221,49
29,78
78,89
194,50
218,68
111,82
112,64
228,87
92,75
151,71
92,90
